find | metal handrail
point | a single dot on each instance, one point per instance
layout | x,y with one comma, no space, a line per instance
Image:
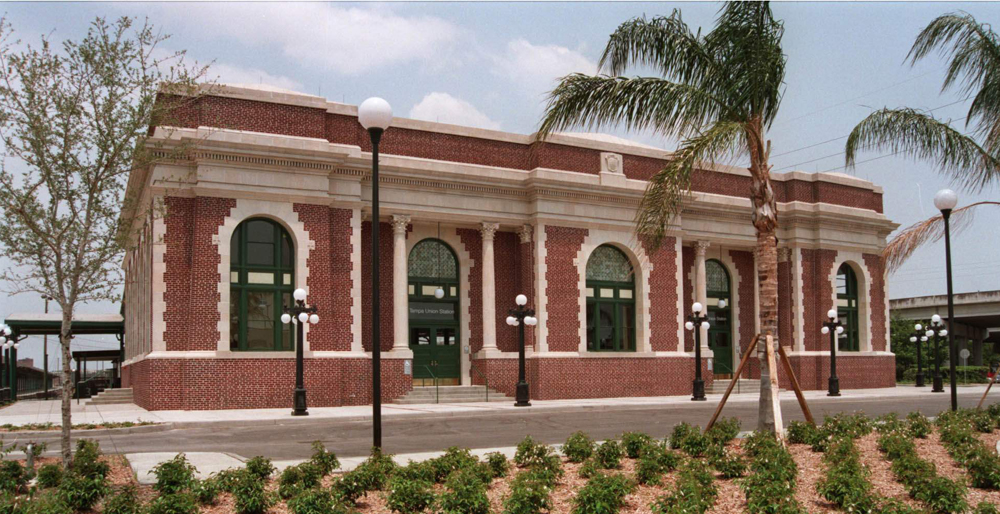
486,381
437,391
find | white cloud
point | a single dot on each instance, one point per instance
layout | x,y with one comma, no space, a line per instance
444,108
537,68
343,40
230,74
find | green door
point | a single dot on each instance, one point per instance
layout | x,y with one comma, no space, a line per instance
720,331
435,351
434,313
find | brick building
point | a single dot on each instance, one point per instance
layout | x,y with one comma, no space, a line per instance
274,194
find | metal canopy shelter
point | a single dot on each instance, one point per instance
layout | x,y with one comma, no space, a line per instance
23,325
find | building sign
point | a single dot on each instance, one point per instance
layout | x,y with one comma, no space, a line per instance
427,311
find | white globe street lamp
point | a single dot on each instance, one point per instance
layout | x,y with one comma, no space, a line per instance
299,315
519,317
695,322
945,200
832,327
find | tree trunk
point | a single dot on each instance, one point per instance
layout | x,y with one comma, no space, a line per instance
765,221
67,387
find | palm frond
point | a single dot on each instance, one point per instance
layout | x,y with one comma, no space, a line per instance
927,231
917,133
638,103
665,43
666,189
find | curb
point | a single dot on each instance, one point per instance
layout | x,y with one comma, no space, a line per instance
158,427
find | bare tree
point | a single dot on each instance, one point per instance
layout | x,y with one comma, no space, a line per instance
74,122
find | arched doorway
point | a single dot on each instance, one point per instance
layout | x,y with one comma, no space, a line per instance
434,313
847,308
720,332
610,301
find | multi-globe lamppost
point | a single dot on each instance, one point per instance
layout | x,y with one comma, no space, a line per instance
375,115
300,314
694,323
5,345
833,327
936,330
945,200
520,317
918,339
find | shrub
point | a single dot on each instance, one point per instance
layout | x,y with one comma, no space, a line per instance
227,478
894,506
723,431
848,425
49,502
466,494
87,459
888,423
800,432
206,491
350,486
729,464
82,492
942,495
603,494
49,475
588,469
608,455
578,447
12,476
681,431
695,444
648,471
528,495
174,475
125,501
846,481
986,507
454,459
173,503
770,488
635,443
260,467
918,425
416,471
325,460
249,491
694,492
668,459
498,464
295,479
409,496
528,452
375,471
316,501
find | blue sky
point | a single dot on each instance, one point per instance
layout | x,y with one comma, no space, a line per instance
490,64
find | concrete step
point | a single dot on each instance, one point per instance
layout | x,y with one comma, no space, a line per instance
745,386
450,394
112,397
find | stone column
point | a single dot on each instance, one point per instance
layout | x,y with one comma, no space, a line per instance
700,287
400,290
488,231
527,284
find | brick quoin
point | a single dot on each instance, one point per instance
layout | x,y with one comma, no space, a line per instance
562,245
385,243
876,302
526,282
663,296
472,240
786,311
817,292
687,260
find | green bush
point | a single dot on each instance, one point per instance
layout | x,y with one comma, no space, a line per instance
800,432
578,447
986,507
695,444
206,491
529,494
295,479
603,494
694,492
770,487
498,464
942,495
250,490
373,474
49,475
588,469
350,486
465,494
729,464
848,425
416,471
125,501
723,431
87,459
608,455
648,470
173,503
635,443
846,481
918,425
227,478
530,452
681,431
894,506
46,502
81,492
174,475
260,467
324,460
12,476
316,501
409,496
454,459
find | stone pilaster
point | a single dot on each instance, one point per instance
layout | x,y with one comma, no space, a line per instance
400,292
488,231
701,290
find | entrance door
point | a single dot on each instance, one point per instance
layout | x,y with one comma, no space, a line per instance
720,332
435,352
721,343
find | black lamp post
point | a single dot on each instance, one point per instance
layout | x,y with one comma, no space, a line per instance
945,200
937,331
300,315
918,339
375,115
694,322
520,317
833,327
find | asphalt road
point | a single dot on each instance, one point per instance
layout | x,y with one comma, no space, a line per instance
409,435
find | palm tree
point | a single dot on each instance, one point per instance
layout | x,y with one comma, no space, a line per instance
718,93
971,159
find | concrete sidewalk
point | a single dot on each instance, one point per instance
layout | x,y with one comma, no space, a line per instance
48,411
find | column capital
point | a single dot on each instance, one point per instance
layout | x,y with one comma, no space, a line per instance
488,230
700,247
784,254
399,223
525,233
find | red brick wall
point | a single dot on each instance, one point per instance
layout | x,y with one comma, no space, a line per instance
526,281
663,296
506,253
472,240
786,311
385,243
562,245
260,383
253,116
853,372
817,293
748,300
329,265
876,302
614,377
687,260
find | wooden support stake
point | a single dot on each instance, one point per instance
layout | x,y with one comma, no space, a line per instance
987,391
772,368
795,385
736,377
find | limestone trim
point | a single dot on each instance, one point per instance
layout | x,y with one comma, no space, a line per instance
356,321
700,287
400,295
542,283
679,266
488,231
448,233
798,301
281,212
525,233
857,262
845,355
641,267
159,283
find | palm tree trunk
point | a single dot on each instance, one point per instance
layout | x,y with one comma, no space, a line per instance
765,221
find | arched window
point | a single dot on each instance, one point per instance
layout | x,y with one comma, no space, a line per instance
610,301
847,307
261,281
720,334
434,320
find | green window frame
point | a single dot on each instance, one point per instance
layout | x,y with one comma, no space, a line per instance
847,308
610,295
261,281
430,264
